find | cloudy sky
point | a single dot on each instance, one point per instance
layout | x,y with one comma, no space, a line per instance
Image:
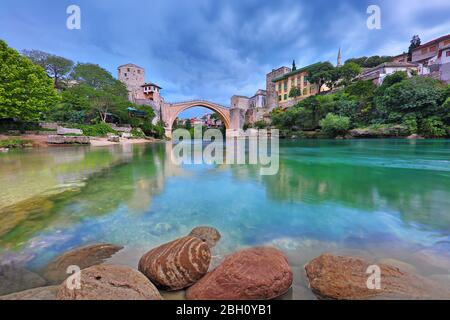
212,49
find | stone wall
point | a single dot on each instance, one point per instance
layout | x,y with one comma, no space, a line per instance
271,97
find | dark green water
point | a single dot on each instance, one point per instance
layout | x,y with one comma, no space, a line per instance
381,199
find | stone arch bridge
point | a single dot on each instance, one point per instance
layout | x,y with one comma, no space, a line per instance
171,111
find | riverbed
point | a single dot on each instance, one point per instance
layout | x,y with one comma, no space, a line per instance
377,199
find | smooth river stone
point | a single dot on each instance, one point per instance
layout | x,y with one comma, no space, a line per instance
251,274
15,279
110,282
207,234
178,264
43,293
345,278
56,271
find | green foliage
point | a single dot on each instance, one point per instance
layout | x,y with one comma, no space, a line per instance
321,73
410,122
56,67
295,92
96,130
348,71
424,96
433,127
260,124
157,131
15,143
137,133
26,92
370,62
335,125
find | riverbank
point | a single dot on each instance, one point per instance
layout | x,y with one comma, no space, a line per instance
40,141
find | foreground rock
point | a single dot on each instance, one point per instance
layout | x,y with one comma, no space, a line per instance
110,282
345,278
16,279
56,271
43,293
177,264
252,274
55,139
207,234
380,132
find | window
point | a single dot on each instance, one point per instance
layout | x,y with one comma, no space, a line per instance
285,96
126,74
447,54
279,87
433,48
139,71
285,86
128,69
279,98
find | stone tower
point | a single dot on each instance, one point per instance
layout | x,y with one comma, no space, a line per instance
339,58
133,77
272,97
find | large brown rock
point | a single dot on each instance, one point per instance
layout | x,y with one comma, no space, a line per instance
110,282
345,278
15,279
56,271
251,274
207,234
43,293
177,264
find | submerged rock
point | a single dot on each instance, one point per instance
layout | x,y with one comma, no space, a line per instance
251,274
15,279
110,282
56,271
178,264
345,278
43,293
207,234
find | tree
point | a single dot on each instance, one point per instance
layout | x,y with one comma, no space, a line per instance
320,73
26,92
56,67
295,92
415,42
370,62
335,125
349,71
93,75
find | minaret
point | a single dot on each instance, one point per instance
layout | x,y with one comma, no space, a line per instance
339,58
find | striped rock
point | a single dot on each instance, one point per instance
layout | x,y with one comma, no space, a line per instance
177,264
207,234
109,282
251,274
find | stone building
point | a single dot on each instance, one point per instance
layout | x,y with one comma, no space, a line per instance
140,92
380,72
433,58
296,78
272,96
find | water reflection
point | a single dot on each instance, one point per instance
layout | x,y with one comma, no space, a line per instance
327,196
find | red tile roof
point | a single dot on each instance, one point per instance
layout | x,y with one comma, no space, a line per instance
434,41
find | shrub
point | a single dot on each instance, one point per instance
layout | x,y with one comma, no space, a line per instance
334,125
261,124
410,122
433,127
15,143
96,130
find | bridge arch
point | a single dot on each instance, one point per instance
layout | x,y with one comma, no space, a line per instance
172,111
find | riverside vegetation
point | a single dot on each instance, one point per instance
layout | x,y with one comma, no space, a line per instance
401,106
36,86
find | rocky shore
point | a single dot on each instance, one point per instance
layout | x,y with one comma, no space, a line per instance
183,269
